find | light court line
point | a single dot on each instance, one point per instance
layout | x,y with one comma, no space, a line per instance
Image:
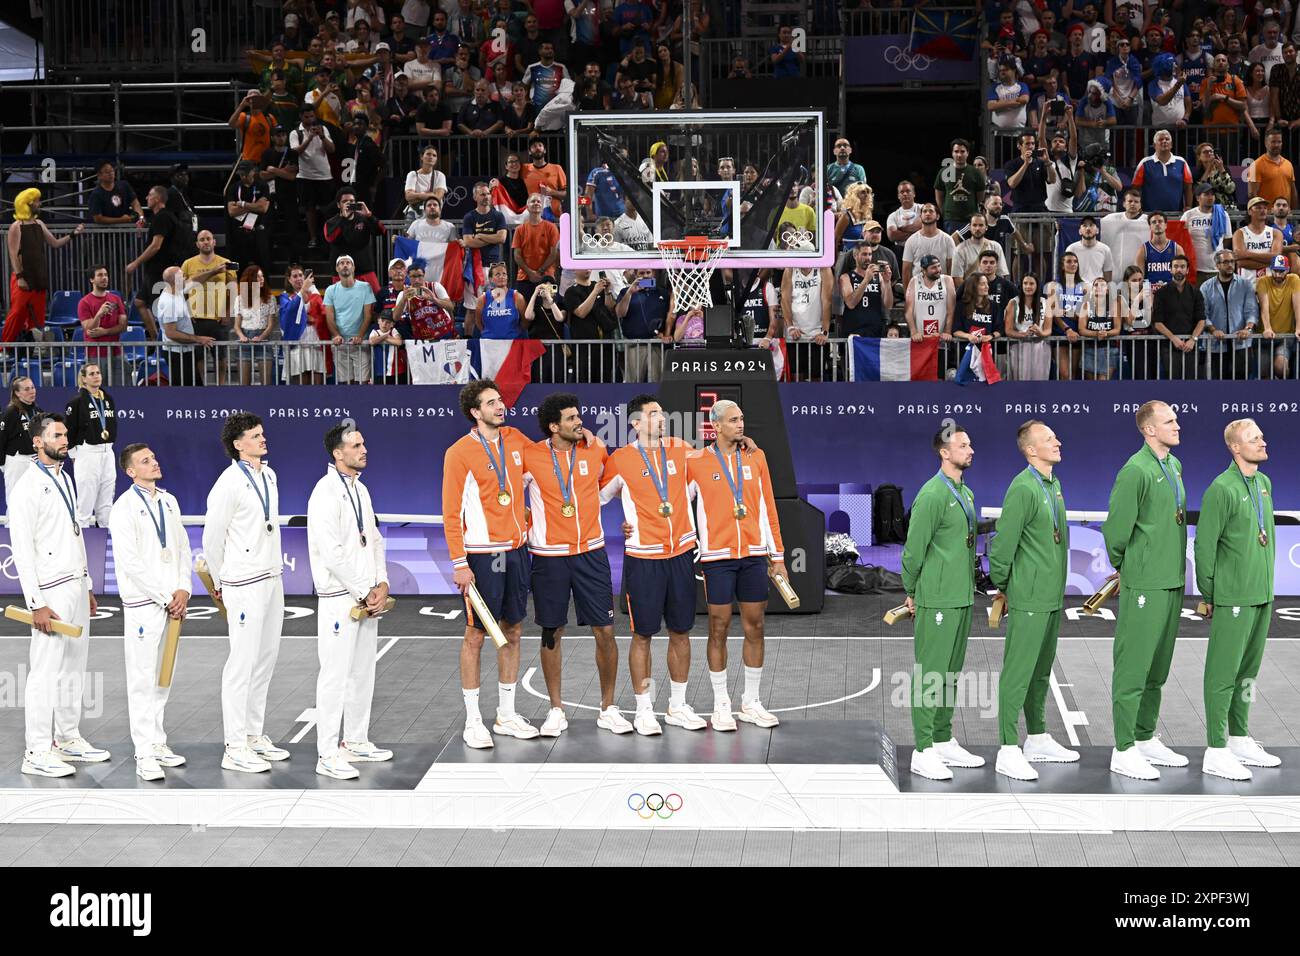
526,683
628,637
1071,718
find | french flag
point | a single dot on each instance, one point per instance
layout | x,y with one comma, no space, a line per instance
780,359
459,271
893,360
508,362
513,214
977,365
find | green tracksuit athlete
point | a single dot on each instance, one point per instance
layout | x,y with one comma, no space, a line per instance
1028,559
1235,551
939,576
1146,538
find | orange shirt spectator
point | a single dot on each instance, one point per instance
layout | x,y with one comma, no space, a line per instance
1275,177
534,242
551,176
255,125
1222,113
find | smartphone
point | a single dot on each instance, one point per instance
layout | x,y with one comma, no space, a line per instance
645,283
1057,108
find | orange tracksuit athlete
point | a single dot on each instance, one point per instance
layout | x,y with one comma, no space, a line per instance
653,534
723,536
552,533
474,521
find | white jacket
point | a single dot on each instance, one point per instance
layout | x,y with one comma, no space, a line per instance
47,552
339,563
238,548
142,574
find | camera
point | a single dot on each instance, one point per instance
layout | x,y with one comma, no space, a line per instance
1095,155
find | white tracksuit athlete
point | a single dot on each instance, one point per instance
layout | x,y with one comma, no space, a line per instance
343,571
147,575
246,561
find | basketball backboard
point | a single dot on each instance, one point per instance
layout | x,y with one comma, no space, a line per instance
676,174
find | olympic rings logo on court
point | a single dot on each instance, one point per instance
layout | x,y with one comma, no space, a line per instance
904,59
649,806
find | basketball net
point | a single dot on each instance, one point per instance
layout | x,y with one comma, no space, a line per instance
690,263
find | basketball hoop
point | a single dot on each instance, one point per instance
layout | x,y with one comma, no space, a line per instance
690,263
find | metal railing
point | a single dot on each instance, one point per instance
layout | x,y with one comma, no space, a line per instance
111,246
148,36
54,364
894,20
823,56
483,157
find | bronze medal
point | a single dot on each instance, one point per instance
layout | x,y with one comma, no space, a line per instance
739,511
1263,539
970,539
568,510
665,508
1178,516
503,498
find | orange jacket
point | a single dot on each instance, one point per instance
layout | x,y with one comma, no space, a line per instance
472,518
551,534
723,536
626,477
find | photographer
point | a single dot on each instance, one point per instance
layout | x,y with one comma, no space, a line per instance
590,305
352,233
1098,184
1029,176
1063,157
545,320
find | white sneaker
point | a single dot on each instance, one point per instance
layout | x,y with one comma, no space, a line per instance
166,757
1131,763
685,717
723,719
1158,755
476,735
955,755
610,719
1041,748
45,763
363,751
148,768
645,724
336,766
928,764
264,748
1250,754
1012,763
244,760
1221,762
513,725
79,750
755,713
555,723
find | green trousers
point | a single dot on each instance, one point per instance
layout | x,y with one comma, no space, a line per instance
1144,648
1237,636
940,647
1029,652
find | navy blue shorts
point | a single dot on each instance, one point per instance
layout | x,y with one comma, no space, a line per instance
586,576
742,580
660,592
505,592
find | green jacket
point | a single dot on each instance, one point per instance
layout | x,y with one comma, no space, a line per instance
938,567
1231,568
1143,540
1026,564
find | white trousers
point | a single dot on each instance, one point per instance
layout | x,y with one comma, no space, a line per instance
95,471
346,683
56,674
255,618
15,467
143,632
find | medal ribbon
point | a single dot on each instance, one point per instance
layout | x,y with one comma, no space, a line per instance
1051,505
354,503
59,486
967,509
1256,499
264,500
500,469
661,486
566,491
1173,483
159,526
737,484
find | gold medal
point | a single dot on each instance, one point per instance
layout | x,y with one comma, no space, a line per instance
104,434
1263,539
568,510
665,508
739,511
503,498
